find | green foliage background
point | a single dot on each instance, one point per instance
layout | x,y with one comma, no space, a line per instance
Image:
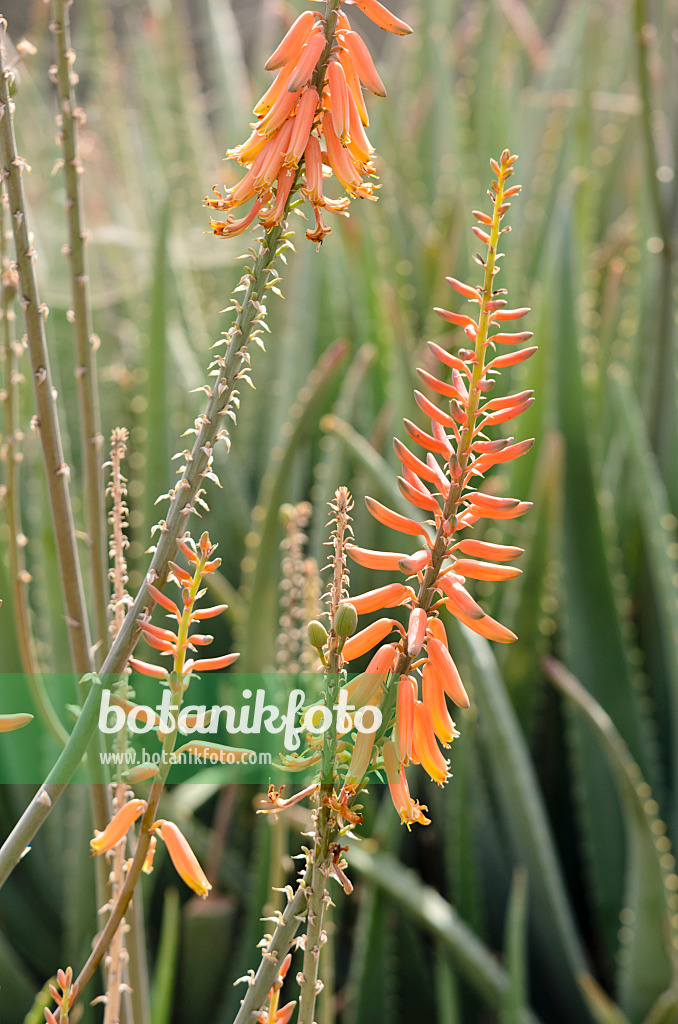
545,889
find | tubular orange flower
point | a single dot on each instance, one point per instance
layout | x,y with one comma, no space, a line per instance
408,809
183,858
367,638
9,723
118,826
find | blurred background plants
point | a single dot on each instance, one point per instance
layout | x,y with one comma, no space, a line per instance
553,840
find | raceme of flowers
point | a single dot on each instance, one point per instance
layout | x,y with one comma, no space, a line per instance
175,643
310,124
444,481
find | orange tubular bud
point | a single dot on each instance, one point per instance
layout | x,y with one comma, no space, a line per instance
432,411
413,463
443,666
284,187
382,17
447,358
509,314
483,512
503,415
118,826
360,759
416,631
146,669
458,319
486,626
10,723
449,390
424,440
141,713
183,858
374,559
513,451
464,289
301,129
511,339
512,358
353,83
396,522
277,115
483,549
307,62
162,599
485,570
158,632
270,166
295,39
437,630
404,721
434,699
505,403
426,747
416,562
339,95
390,596
367,638
213,664
459,599
341,161
208,613
384,659
181,576
361,59
359,144
419,498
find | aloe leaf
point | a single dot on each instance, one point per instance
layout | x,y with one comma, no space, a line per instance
515,949
164,975
526,821
659,533
157,447
650,954
428,908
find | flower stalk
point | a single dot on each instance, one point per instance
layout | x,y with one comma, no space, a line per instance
69,119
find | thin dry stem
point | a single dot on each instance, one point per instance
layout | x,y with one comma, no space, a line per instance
69,119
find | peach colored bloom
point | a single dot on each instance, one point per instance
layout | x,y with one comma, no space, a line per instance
183,858
118,826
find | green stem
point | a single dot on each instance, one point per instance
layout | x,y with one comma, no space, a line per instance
37,811
85,341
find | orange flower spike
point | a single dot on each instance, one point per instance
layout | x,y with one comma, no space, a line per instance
118,826
404,720
397,522
390,596
443,665
367,638
339,94
361,59
416,631
382,17
434,698
293,42
426,746
183,858
301,129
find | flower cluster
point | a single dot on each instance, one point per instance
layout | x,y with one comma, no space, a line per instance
444,485
176,643
63,994
310,123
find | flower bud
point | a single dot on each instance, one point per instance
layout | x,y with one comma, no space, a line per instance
317,634
345,619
